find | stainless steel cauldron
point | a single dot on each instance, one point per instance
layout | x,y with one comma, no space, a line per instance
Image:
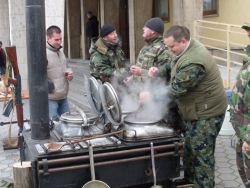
145,128
79,124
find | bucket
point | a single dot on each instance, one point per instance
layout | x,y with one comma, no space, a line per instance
227,128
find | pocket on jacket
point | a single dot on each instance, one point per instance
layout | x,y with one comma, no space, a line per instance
188,110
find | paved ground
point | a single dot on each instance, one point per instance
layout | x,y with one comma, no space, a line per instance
226,169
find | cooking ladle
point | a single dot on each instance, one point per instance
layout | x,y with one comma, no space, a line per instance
153,166
93,183
56,146
138,109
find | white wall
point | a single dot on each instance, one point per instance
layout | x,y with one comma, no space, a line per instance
54,13
4,19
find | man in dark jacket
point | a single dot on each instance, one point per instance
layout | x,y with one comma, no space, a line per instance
2,60
91,28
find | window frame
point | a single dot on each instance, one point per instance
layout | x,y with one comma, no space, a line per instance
212,12
165,18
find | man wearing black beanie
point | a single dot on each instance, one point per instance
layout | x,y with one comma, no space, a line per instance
154,54
107,58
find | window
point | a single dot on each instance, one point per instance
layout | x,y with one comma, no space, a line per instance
210,7
160,9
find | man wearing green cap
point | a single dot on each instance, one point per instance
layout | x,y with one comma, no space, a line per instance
240,115
107,58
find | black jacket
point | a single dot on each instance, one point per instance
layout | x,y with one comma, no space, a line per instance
92,27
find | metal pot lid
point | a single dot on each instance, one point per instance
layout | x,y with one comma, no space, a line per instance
145,120
75,117
110,103
92,91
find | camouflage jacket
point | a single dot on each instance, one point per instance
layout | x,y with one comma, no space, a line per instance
107,60
155,54
240,101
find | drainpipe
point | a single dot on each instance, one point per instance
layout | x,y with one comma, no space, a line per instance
37,69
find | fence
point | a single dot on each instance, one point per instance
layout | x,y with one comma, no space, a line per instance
226,42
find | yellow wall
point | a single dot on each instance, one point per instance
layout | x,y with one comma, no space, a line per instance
234,12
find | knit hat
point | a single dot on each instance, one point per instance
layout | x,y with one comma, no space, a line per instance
106,29
155,24
89,12
246,26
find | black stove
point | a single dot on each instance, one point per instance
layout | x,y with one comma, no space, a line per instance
120,160
119,165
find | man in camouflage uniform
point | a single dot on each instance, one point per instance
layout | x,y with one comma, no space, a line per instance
196,85
240,115
154,53
107,58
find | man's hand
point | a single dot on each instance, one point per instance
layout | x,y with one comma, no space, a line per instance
135,70
153,72
144,96
69,76
245,147
128,80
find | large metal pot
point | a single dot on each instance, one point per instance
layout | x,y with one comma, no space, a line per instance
145,128
77,125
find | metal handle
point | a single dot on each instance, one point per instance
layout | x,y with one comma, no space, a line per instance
83,115
91,159
153,161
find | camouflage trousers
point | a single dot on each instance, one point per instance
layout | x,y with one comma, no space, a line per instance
243,164
200,139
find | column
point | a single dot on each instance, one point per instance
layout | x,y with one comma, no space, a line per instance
185,12
18,36
4,20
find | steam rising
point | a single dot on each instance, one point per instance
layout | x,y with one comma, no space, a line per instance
154,109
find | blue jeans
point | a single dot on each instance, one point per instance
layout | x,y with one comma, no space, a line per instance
58,107
2,70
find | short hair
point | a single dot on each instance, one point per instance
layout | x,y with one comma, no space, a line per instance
178,33
53,29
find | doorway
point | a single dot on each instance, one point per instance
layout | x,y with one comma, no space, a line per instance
124,26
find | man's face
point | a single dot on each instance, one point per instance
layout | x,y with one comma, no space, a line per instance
111,37
175,47
89,16
55,40
248,33
147,33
